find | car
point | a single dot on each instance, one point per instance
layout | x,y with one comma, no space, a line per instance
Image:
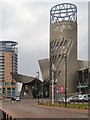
62,100
86,97
17,98
74,98
13,99
79,98
71,98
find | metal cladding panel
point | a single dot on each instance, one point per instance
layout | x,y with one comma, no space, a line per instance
45,68
22,78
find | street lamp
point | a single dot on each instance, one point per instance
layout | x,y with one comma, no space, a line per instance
65,56
38,75
53,69
52,88
42,86
38,87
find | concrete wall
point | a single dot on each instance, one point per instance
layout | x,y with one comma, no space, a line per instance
66,30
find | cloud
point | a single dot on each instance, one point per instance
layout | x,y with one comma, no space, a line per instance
28,24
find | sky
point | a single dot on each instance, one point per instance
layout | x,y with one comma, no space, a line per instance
28,23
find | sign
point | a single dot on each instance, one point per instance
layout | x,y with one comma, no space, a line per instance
60,89
57,90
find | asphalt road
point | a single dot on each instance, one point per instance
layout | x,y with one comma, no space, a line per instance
30,109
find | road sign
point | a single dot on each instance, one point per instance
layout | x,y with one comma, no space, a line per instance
57,90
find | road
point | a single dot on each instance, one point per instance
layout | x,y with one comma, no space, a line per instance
30,109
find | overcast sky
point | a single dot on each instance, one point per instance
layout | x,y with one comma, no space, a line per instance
28,23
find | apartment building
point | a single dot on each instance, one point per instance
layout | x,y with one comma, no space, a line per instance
8,64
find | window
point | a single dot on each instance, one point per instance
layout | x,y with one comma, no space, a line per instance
0,90
13,92
3,91
13,83
8,92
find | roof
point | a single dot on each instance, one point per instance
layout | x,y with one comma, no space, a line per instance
11,42
22,78
45,68
83,69
82,64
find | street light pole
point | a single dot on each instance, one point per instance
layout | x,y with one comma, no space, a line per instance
42,87
65,80
52,87
38,87
38,75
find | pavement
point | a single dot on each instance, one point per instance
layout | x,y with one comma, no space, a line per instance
31,109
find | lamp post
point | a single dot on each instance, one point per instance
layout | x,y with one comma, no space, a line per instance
65,56
38,75
53,69
38,87
42,87
52,88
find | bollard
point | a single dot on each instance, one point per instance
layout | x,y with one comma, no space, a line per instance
59,105
7,117
4,116
86,107
38,101
10,117
73,107
79,107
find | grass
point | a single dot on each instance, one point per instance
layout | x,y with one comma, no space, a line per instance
75,106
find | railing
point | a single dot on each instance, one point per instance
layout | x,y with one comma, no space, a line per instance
5,116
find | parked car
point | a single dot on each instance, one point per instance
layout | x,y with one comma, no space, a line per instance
62,100
71,98
74,98
85,98
13,99
17,98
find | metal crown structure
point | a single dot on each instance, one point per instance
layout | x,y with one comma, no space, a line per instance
63,12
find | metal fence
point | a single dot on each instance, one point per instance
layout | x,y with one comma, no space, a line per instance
5,116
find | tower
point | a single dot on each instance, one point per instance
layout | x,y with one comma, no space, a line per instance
8,64
63,46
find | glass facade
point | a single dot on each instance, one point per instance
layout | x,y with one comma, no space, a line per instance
82,83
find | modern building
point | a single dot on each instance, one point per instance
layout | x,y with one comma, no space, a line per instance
31,86
69,75
45,71
8,64
63,46
83,77
45,68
